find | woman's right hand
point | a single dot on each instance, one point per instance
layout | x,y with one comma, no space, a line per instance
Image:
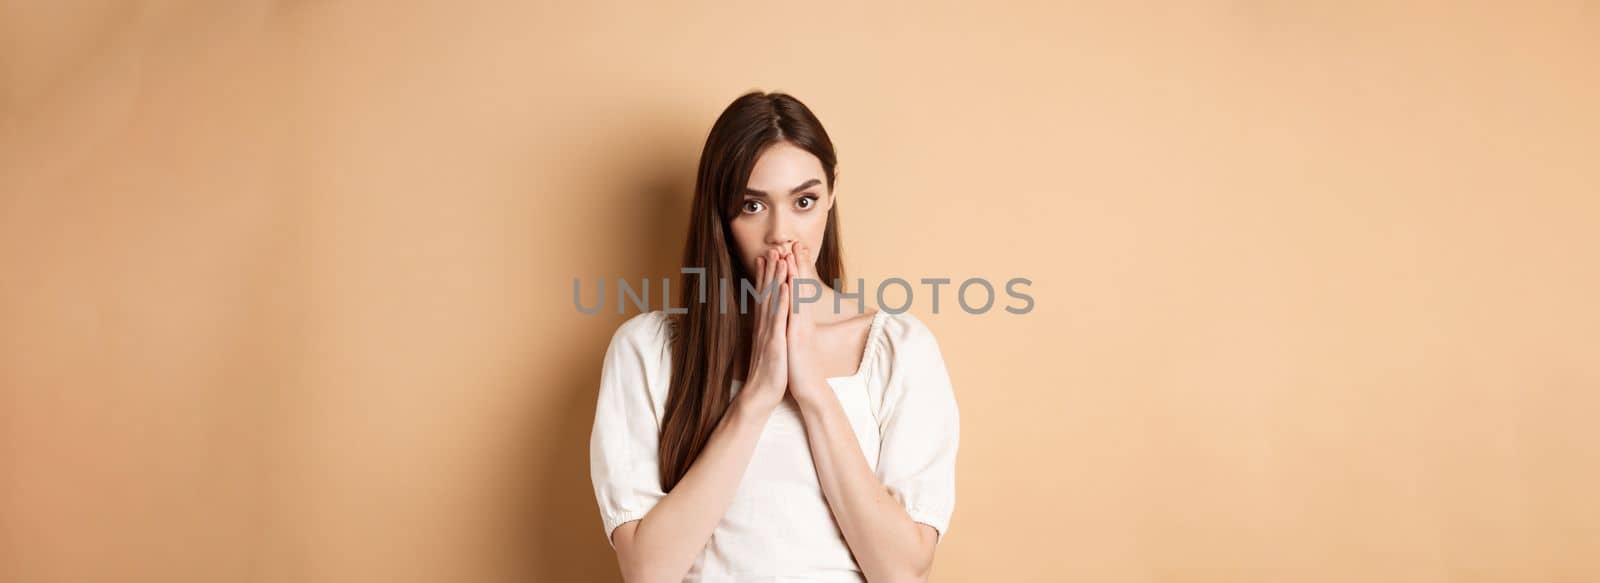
767,379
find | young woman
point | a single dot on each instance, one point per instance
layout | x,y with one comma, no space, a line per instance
802,438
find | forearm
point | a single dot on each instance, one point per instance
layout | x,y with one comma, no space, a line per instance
665,543
882,536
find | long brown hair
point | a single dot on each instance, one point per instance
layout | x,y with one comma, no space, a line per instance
707,339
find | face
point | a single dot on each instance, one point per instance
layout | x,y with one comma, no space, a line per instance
786,201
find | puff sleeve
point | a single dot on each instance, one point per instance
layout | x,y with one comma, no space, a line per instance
623,455
919,426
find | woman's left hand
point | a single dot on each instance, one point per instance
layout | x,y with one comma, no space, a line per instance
806,382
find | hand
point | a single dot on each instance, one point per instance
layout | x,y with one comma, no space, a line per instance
806,382
767,378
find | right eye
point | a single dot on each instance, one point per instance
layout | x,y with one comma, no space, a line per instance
752,206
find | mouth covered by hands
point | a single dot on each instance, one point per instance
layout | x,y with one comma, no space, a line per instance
783,343
805,379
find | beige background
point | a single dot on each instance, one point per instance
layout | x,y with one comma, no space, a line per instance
286,286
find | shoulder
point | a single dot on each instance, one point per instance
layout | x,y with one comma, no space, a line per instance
908,339
639,357
906,330
644,332
915,372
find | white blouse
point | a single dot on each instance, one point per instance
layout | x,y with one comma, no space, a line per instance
779,527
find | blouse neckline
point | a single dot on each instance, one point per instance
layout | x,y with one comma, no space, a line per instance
867,354
874,329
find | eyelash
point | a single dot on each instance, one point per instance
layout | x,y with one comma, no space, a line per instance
814,199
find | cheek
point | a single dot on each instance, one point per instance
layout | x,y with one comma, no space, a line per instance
747,237
816,224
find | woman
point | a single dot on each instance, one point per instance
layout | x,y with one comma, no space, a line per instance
799,437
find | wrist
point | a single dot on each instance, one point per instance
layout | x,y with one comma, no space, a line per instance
740,419
750,402
811,394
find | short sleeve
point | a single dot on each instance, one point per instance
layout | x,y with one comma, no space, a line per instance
623,456
920,428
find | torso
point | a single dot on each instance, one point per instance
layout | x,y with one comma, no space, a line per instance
779,526
779,520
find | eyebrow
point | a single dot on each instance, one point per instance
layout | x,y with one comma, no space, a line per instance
795,190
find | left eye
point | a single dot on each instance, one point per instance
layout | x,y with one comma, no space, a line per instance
807,201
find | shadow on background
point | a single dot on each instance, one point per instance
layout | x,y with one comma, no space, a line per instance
562,506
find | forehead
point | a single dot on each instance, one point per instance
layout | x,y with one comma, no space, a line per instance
782,166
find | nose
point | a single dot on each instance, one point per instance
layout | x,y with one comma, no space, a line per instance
779,233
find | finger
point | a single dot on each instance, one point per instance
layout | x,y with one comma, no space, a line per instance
786,275
809,267
796,276
766,274
768,288
762,326
807,263
761,269
800,255
769,292
782,321
773,276
795,272
803,313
